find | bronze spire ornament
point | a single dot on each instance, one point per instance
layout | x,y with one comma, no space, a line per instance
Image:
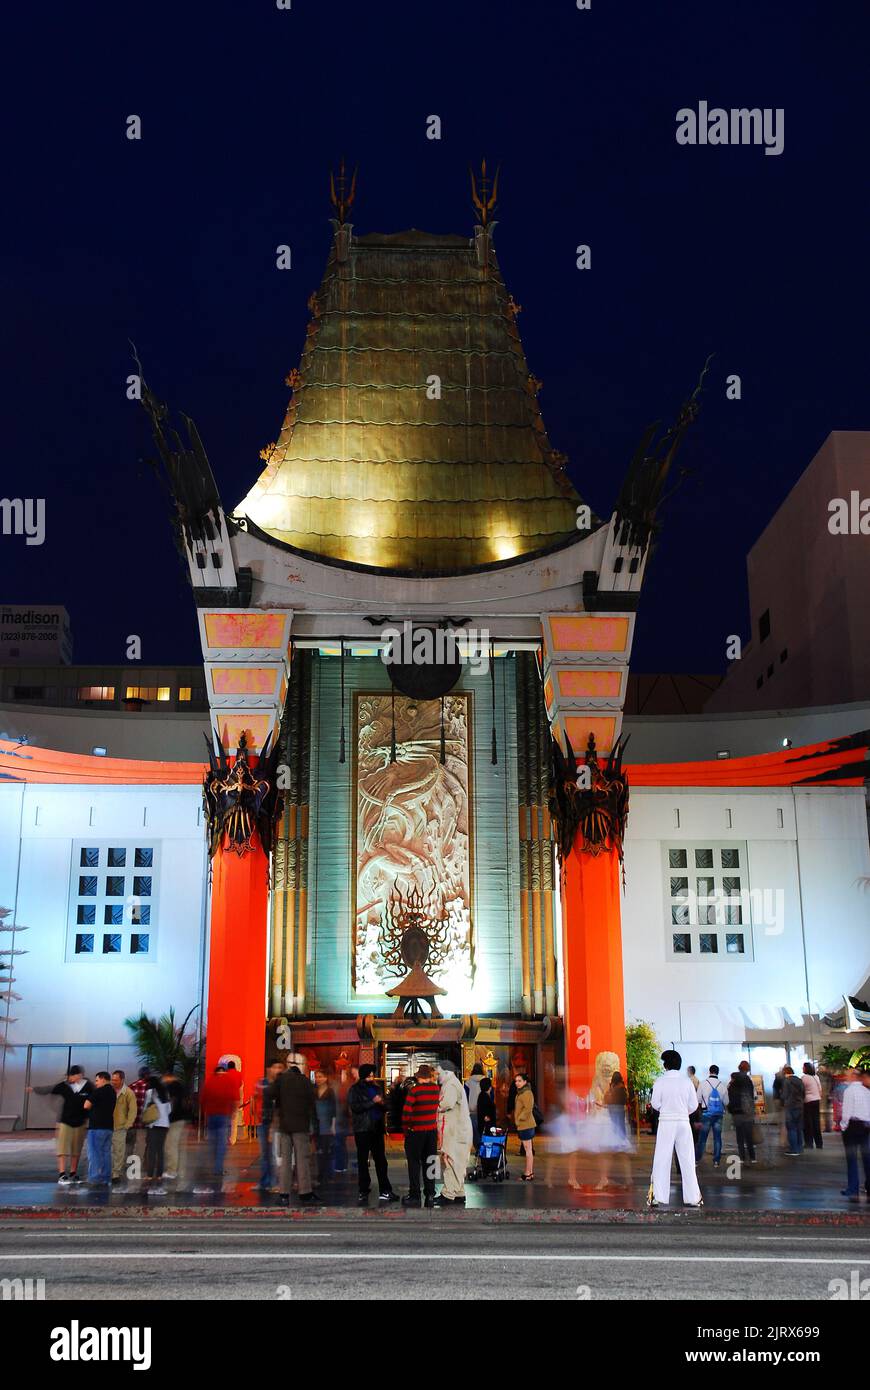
339,195
485,197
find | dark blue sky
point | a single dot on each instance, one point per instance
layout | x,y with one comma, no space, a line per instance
171,242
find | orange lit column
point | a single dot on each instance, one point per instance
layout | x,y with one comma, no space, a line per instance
593,1004
237,959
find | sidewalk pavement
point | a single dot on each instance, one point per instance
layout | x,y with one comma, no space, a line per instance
775,1190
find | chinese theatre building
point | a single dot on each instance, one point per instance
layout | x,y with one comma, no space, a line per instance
416,641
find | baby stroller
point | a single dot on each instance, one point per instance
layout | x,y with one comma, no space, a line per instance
492,1156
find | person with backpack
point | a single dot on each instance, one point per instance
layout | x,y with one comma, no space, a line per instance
712,1095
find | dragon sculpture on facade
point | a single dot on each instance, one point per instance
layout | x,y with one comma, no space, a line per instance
589,809
240,800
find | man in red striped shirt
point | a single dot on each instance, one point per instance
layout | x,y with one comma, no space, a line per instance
420,1124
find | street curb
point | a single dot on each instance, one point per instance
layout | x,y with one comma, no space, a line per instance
477,1215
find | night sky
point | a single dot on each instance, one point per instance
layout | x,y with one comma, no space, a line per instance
171,241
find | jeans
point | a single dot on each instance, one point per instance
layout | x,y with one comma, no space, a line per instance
99,1155
372,1145
794,1128
218,1129
267,1167
853,1146
709,1122
421,1152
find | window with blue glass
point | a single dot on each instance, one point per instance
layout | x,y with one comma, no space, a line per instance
117,894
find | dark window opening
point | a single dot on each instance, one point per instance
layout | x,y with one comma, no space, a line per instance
764,625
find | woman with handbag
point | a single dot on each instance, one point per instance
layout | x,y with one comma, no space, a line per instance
155,1118
524,1119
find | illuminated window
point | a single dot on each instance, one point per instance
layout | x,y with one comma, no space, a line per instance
96,692
184,693
148,692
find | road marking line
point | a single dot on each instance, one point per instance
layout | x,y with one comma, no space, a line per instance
425,1256
168,1235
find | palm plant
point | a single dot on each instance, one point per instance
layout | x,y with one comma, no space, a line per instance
165,1046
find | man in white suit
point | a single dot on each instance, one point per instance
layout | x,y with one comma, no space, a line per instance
675,1098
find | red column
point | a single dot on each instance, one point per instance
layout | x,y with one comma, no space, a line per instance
594,1005
236,1020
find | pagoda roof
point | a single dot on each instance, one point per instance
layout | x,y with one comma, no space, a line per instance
367,469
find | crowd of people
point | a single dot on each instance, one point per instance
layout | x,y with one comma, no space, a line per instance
134,1132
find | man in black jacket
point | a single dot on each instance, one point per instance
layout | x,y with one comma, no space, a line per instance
741,1108
366,1106
100,1106
71,1127
295,1114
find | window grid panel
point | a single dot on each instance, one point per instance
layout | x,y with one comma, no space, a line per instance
714,896
112,894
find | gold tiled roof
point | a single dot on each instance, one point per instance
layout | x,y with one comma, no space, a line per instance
367,467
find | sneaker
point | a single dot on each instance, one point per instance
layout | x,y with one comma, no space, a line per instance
75,1180
363,1199
64,1180
284,1199
792,1153
311,1199
695,1204
428,1201
156,1191
716,1162
410,1201
203,1191
388,1197
442,1201
170,1176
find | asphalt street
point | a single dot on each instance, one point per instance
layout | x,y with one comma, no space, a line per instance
438,1258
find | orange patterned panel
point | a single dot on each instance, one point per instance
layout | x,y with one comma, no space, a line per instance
244,680
587,633
548,693
588,683
244,629
578,727
253,724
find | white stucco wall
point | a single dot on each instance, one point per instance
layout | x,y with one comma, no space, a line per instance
814,941
84,1001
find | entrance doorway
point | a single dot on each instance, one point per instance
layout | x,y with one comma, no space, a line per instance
407,1059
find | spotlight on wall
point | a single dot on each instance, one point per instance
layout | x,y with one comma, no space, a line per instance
724,753
786,743
99,752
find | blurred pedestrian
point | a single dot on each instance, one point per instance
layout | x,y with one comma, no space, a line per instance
368,1119
123,1120
741,1108
855,1124
219,1099
327,1113
100,1107
454,1136
179,1116
396,1101
296,1118
793,1105
420,1123
486,1111
266,1112
72,1123
711,1095
472,1091
812,1107
155,1118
